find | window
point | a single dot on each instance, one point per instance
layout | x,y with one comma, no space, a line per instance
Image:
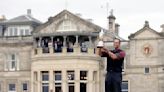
10,32
124,86
58,76
12,62
27,32
15,32
24,86
70,75
71,87
45,76
12,88
45,87
58,87
21,32
57,80
67,25
147,70
83,75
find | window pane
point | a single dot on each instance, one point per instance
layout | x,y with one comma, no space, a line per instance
70,75
124,86
83,75
21,32
24,86
13,64
45,87
58,76
15,31
11,87
45,76
27,32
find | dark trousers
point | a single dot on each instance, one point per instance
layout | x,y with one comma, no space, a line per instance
113,82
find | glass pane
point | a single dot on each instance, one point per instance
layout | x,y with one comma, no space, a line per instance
11,87
13,64
45,87
58,89
45,76
24,86
21,32
58,76
70,75
124,86
83,75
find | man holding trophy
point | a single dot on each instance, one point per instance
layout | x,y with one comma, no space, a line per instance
115,60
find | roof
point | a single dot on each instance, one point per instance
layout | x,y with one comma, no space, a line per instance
146,27
23,19
52,19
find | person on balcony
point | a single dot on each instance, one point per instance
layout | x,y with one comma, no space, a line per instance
70,47
83,47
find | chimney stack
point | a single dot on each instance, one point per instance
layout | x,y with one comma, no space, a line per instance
29,12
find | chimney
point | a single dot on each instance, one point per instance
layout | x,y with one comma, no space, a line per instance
29,12
117,29
162,26
2,18
112,19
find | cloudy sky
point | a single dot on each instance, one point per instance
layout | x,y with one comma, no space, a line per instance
130,14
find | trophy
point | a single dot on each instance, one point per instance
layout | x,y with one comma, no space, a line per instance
101,43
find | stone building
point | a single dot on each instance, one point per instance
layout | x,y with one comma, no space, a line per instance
59,55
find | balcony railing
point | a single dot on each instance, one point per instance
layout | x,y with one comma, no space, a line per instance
16,39
63,50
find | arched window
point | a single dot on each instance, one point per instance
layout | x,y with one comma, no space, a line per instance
67,25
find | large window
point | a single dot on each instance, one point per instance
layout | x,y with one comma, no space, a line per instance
45,76
45,81
58,76
70,75
45,87
12,88
57,81
83,75
24,87
12,62
124,86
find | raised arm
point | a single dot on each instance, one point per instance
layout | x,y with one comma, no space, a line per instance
114,56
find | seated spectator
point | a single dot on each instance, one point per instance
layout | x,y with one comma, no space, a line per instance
70,47
83,47
58,46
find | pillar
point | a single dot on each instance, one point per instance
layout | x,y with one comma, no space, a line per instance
77,80
64,81
39,81
76,43
90,41
51,83
64,41
90,81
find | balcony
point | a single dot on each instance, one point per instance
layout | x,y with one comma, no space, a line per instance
16,39
75,52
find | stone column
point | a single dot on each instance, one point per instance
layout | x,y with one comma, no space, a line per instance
76,42
39,81
50,45
51,83
64,81
64,41
77,80
90,81
90,41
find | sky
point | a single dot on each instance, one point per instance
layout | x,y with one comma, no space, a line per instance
130,14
